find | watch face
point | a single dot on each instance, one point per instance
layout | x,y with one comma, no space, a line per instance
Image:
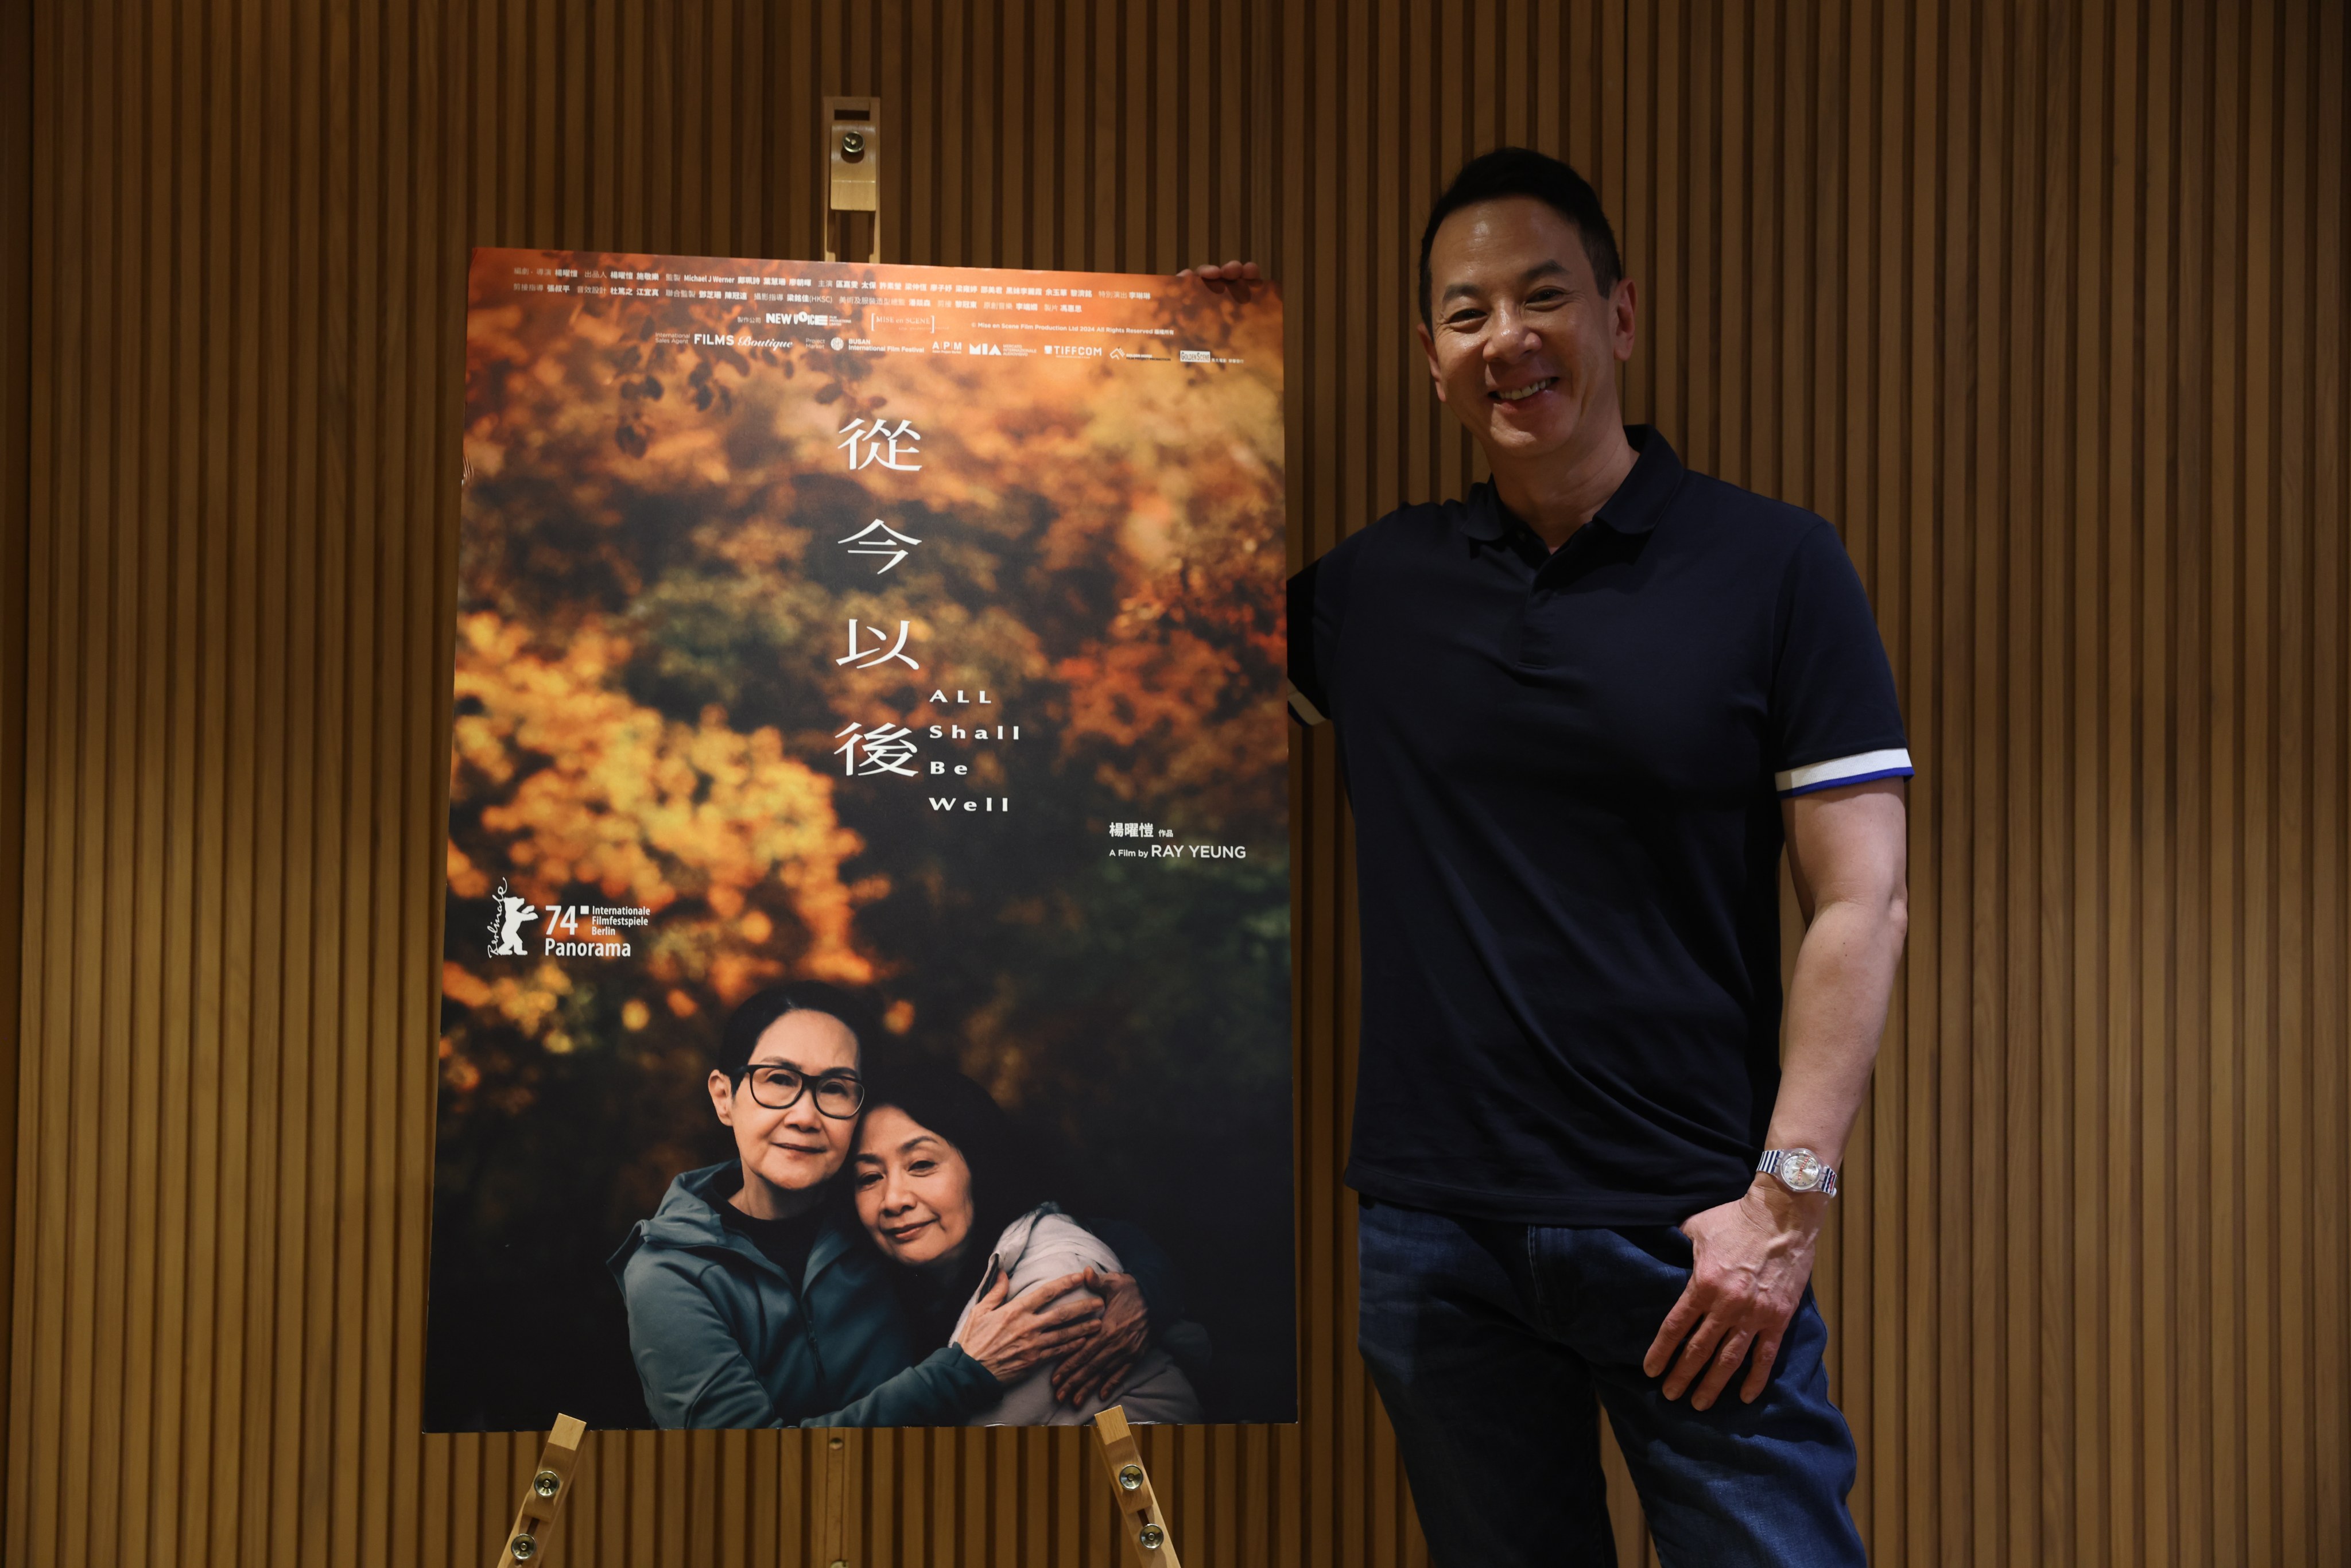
1802,1170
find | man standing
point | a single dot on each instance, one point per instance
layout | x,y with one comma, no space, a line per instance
1579,715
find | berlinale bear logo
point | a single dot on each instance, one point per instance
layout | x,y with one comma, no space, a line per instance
506,926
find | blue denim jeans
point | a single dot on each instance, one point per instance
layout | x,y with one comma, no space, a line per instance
1489,1344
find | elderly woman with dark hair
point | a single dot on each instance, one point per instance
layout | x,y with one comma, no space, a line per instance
946,1188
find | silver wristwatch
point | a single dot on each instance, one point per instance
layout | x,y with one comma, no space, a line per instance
1799,1170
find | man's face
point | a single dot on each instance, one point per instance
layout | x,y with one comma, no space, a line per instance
798,1147
1522,344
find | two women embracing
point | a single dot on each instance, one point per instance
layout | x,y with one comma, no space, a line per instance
882,1252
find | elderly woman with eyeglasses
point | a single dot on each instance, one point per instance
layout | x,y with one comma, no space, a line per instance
754,1298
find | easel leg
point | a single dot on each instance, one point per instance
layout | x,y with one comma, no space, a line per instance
542,1498
832,1542
1149,1543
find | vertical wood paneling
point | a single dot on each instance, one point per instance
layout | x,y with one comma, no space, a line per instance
2044,305
16,266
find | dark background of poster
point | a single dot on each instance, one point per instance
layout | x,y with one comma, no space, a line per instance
1185,1136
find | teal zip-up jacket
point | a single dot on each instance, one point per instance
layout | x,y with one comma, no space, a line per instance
723,1337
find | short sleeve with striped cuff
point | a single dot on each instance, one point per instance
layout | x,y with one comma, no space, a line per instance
1833,720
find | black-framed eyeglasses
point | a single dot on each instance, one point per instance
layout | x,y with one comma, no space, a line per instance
840,1093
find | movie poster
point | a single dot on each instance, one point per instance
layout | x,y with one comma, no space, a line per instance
868,863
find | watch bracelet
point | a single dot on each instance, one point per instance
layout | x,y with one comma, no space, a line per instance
1771,1159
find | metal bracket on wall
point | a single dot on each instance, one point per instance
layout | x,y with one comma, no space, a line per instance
852,172
543,1495
1140,1523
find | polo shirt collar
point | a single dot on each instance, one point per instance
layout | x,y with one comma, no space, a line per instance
1635,508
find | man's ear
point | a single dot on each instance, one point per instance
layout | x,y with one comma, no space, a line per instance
1621,304
1429,348
722,1096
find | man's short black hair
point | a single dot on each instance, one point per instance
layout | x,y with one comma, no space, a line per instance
751,1017
1523,172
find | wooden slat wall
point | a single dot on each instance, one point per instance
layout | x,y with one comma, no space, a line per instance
2044,304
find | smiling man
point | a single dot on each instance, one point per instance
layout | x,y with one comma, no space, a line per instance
1580,715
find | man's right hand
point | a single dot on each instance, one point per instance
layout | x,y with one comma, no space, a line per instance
1232,277
1012,1339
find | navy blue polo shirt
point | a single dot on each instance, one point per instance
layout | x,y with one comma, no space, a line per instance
1566,769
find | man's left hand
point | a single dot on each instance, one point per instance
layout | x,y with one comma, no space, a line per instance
1102,1363
1753,1257
1233,278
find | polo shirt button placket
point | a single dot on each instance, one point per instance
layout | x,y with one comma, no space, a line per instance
1542,602
1534,631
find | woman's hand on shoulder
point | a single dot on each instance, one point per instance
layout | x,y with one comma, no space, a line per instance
1099,1366
1012,1338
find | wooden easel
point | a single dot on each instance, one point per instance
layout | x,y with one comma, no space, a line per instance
850,179
1141,1523
542,1498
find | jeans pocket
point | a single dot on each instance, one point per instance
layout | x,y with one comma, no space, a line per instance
1672,1244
